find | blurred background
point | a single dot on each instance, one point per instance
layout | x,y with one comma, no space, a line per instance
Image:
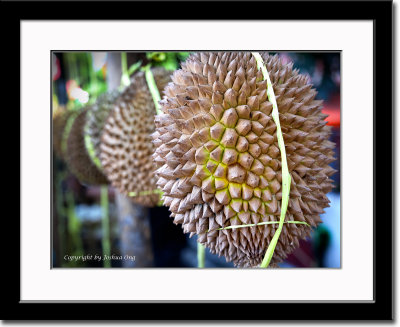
97,220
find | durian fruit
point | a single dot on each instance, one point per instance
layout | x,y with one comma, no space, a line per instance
126,144
218,158
96,118
59,122
77,157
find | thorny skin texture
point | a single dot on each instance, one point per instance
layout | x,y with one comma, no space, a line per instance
218,158
126,146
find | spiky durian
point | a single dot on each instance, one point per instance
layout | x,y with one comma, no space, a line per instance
96,118
77,157
219,160
126,147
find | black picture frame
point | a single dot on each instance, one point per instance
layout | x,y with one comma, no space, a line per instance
378,11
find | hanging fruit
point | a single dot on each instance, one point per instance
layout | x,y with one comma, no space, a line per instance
126,147
77,156
218,158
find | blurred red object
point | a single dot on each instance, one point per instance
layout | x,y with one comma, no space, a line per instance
56,68
332,108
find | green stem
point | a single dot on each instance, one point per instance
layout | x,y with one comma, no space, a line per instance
151,83
73,225
125,81
286,179
201,255
94,86
105,225
60,213
73,67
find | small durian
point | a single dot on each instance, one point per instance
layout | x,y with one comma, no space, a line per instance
218,158
77,157
96,118
126,146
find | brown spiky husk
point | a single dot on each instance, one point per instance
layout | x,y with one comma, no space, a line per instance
219,160
126,147
59,121
78,159
96,118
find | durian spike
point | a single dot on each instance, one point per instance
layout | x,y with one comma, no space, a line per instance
218,157
77,157
126,147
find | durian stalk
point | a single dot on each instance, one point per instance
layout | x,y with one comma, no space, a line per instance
151,83
124,67
286,179
105,221
201,254
126,73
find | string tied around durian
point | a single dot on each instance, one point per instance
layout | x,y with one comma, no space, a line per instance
67,129
265,223
151,83
143,193
125,81
149,192
201,249
91,151
286,178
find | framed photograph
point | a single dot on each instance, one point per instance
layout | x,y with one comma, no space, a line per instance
228,163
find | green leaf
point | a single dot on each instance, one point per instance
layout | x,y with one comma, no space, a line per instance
156,56
183,55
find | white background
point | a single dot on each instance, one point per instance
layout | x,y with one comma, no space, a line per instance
397,198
